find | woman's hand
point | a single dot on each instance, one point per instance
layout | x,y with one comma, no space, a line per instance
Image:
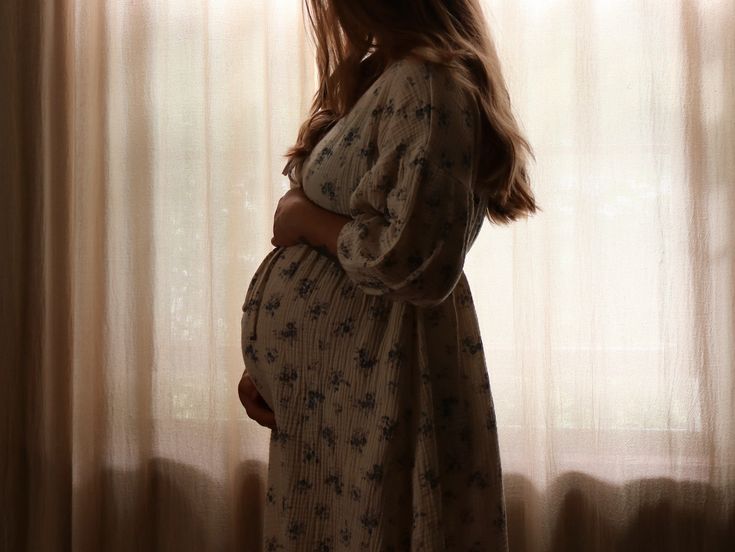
287,220
254,403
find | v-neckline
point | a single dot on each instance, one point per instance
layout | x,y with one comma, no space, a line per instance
354,109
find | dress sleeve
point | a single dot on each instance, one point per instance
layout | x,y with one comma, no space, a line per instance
413,211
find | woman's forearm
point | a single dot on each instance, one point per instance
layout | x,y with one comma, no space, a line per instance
320,227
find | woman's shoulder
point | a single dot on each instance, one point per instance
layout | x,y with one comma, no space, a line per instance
424,104
415,79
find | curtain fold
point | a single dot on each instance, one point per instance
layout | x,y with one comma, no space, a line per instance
141,153
35,194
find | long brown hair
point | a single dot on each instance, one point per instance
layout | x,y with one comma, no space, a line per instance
356,39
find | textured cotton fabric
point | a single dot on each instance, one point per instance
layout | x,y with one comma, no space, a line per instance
373,362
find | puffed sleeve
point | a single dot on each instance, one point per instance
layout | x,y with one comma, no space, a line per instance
413,211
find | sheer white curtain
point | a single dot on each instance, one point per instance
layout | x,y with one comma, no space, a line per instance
197,102
607,319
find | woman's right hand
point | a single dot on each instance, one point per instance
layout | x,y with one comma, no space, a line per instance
254,404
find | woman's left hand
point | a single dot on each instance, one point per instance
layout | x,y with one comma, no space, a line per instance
287,218
255,406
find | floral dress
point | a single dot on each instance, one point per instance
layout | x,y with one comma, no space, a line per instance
372,361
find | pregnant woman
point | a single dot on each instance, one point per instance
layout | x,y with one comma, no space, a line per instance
360,338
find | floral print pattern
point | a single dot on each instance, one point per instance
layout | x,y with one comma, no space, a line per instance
373,361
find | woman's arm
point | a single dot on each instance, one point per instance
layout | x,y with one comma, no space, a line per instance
300,220
320,228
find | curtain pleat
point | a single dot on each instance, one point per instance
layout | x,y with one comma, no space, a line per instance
35,194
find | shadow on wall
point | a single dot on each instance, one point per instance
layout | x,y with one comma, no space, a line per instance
648,515
184,509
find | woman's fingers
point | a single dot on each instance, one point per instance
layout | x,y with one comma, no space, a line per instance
247,388
254,404
257,410
260,412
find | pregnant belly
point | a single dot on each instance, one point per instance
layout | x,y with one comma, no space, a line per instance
297,302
